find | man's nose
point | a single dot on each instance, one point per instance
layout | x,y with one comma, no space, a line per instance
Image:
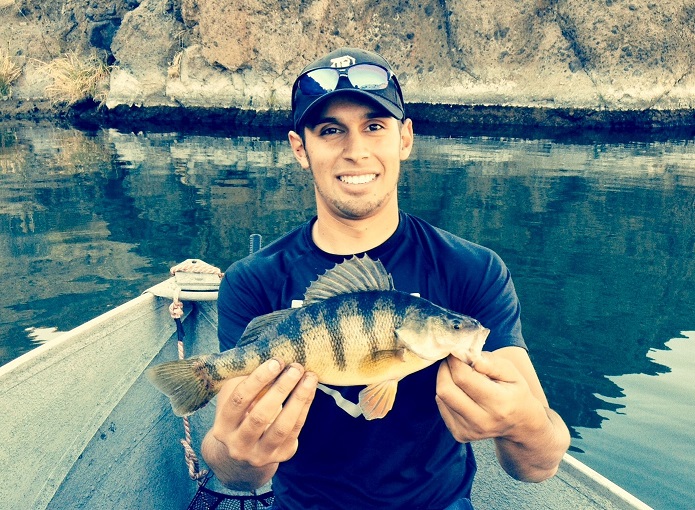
355,147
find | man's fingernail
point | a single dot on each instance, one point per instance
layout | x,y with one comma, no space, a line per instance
294,371
310,379
274,366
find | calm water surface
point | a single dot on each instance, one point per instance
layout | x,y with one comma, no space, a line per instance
599,235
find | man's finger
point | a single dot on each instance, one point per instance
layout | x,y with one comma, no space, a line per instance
238,395
267,407
288,424
450,393
496,368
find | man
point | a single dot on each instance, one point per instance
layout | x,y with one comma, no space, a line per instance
351,133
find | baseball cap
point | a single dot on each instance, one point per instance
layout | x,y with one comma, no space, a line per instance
344,70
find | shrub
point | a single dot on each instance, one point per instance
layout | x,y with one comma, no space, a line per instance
9,72
77,77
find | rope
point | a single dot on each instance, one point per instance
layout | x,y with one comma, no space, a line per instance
176,312
176,309
195,266
194,471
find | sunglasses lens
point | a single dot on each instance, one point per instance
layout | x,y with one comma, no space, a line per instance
318,82
368,77
361,76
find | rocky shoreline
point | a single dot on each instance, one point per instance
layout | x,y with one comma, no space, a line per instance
570,65
429,118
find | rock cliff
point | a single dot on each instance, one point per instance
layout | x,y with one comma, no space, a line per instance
569,55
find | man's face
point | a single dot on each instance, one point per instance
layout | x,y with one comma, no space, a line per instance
354,150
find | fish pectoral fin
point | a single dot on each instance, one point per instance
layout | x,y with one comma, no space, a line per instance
400,354
381,361
377,400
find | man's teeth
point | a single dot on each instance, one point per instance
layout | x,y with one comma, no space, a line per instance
357,179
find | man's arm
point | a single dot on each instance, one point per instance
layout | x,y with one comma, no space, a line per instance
502,398
257,423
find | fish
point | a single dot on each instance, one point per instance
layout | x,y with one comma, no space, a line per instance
353,329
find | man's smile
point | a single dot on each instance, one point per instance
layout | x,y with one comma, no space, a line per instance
357,179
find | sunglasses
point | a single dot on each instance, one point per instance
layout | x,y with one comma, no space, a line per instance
361,77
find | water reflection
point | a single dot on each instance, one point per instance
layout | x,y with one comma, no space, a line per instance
601,252
599,236
650,407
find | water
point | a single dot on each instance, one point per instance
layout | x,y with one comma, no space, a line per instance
599,235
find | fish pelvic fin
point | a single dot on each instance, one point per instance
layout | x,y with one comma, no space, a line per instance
353,275
187,383
377,400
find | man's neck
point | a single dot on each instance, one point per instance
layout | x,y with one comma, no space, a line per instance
341,236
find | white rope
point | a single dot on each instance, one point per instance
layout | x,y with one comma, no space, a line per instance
176,312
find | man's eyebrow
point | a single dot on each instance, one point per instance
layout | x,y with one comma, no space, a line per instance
378,114
326,120
375,114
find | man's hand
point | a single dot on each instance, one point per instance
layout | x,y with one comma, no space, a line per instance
489,399
500,397
257,423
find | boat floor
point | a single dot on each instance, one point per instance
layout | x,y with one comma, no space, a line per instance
574,487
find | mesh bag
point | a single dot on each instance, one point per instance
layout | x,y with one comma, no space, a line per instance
207,499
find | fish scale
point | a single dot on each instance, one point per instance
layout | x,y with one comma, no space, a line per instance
354,329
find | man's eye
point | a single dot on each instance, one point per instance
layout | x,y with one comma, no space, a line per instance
375,127
329,131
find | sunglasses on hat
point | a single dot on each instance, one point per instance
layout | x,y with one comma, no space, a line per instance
360,76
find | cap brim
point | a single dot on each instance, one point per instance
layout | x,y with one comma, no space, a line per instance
314,107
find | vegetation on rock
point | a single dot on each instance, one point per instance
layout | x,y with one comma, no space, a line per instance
9,73
75,77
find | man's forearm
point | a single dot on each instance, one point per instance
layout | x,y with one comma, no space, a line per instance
231,473
536,455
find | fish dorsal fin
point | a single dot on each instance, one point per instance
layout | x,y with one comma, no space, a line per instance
257,325
354,275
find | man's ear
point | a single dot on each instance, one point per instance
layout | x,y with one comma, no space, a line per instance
298,149
407,138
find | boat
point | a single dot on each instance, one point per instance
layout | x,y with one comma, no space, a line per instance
82,427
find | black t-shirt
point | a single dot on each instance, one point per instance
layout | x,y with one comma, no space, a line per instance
408,459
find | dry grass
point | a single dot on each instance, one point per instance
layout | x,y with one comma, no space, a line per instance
9,72
76,77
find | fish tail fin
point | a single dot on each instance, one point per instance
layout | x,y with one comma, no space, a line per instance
187,383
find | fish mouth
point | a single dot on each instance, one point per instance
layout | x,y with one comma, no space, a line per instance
470,351
358,178
464,349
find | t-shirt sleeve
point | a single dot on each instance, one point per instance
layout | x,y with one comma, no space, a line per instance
496,305
237,305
